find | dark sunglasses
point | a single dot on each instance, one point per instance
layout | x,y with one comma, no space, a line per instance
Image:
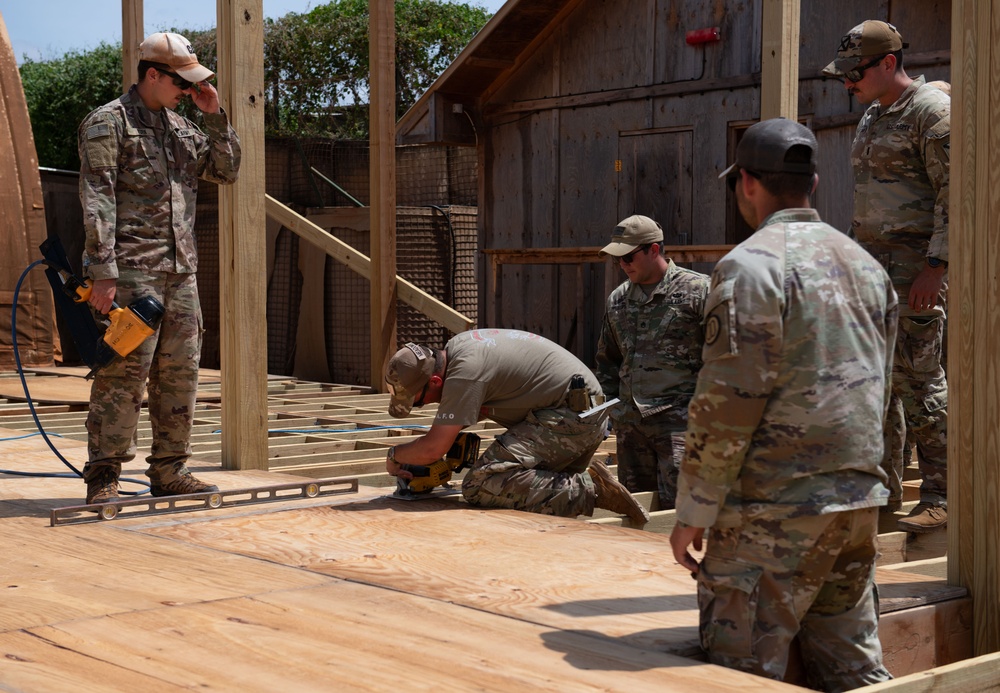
735,176
419,402
628,257
179,81
858,73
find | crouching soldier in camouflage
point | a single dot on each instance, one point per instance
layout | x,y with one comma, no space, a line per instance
648,356
140,165
784,441
542,463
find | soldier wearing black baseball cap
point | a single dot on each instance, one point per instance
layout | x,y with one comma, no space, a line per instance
784,431
775,146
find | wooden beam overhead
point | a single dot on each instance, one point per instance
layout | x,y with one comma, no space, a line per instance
132,36
779,59
382,162
242,233
357,262
974,317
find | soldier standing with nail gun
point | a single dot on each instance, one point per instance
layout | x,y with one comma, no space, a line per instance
139,168
542,462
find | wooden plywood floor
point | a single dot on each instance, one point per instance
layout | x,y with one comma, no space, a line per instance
350,593
356,592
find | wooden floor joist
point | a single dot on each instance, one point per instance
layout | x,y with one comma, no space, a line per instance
362,591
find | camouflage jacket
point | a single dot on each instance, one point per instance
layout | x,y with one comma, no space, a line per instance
649,351
901,160
139,172
800,325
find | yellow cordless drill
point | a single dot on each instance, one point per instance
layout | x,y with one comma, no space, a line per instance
463,453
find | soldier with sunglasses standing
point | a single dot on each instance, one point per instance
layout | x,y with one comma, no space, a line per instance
649,355
901,162
139,168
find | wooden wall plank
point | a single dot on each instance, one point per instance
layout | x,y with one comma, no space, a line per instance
242,234
968,676
310,341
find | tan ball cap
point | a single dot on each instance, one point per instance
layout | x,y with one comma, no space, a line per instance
631,233
174,51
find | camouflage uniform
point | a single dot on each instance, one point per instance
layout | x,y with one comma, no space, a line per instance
648,355
783,447
138,184
901,159
521,380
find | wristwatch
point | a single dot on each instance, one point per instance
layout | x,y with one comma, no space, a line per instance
936,262
391,455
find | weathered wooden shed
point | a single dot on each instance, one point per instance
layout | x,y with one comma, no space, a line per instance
587,111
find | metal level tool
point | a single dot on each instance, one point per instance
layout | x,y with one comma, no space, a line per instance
149,505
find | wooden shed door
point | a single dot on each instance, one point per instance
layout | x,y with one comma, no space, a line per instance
654,179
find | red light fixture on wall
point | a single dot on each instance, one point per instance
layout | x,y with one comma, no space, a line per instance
708,35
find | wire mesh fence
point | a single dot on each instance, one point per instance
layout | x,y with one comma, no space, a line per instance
436,249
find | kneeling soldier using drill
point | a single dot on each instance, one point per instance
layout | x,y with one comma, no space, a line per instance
537,389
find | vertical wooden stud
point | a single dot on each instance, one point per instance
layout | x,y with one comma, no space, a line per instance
132,36
242,237
779,59
382,129
974,317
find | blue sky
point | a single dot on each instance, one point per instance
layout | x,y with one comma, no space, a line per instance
45,29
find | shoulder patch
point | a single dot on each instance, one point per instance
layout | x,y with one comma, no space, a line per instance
100,146
720,322
713,327
98,130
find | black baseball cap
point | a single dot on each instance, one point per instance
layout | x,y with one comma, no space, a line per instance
766,145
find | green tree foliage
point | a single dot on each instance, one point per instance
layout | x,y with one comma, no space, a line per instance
316,64
60,93
315,72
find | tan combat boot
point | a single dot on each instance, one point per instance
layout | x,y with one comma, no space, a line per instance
611,495
102,487
174,479
924,518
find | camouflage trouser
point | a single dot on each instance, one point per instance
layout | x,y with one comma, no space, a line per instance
539,465
649,458
918,409
765,583
894,459
168,359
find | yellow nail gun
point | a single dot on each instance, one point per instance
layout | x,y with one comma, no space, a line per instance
129,327
463,453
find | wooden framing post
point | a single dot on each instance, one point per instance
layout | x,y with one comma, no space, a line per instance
974,317
779,59
242,234
382,163
132,36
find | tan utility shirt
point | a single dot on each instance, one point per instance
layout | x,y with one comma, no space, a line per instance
505,374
